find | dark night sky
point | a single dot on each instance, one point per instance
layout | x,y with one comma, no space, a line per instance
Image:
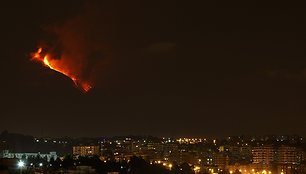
160,68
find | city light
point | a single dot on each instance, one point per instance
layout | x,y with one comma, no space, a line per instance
200,162
21,164
197,169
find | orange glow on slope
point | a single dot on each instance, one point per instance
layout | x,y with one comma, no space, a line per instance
55,65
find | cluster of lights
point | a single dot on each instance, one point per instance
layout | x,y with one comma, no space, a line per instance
190,140
167,140
22,164
197,169
253,172
54,141
168,165
215,172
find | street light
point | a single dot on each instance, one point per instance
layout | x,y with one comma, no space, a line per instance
21,165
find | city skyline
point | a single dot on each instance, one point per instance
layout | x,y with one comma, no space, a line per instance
277,154
208,69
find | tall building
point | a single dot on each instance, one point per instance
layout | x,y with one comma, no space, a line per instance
86,150
264,155
221,160
288,155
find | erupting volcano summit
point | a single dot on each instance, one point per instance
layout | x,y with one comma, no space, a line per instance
57,65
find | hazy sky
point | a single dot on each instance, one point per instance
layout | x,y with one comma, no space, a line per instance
157,68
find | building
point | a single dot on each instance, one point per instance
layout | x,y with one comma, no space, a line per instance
86,150
288,155
26,155
221,160
264,155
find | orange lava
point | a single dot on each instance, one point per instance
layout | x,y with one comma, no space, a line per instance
54,64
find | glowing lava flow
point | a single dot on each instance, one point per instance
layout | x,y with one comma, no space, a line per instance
52,64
